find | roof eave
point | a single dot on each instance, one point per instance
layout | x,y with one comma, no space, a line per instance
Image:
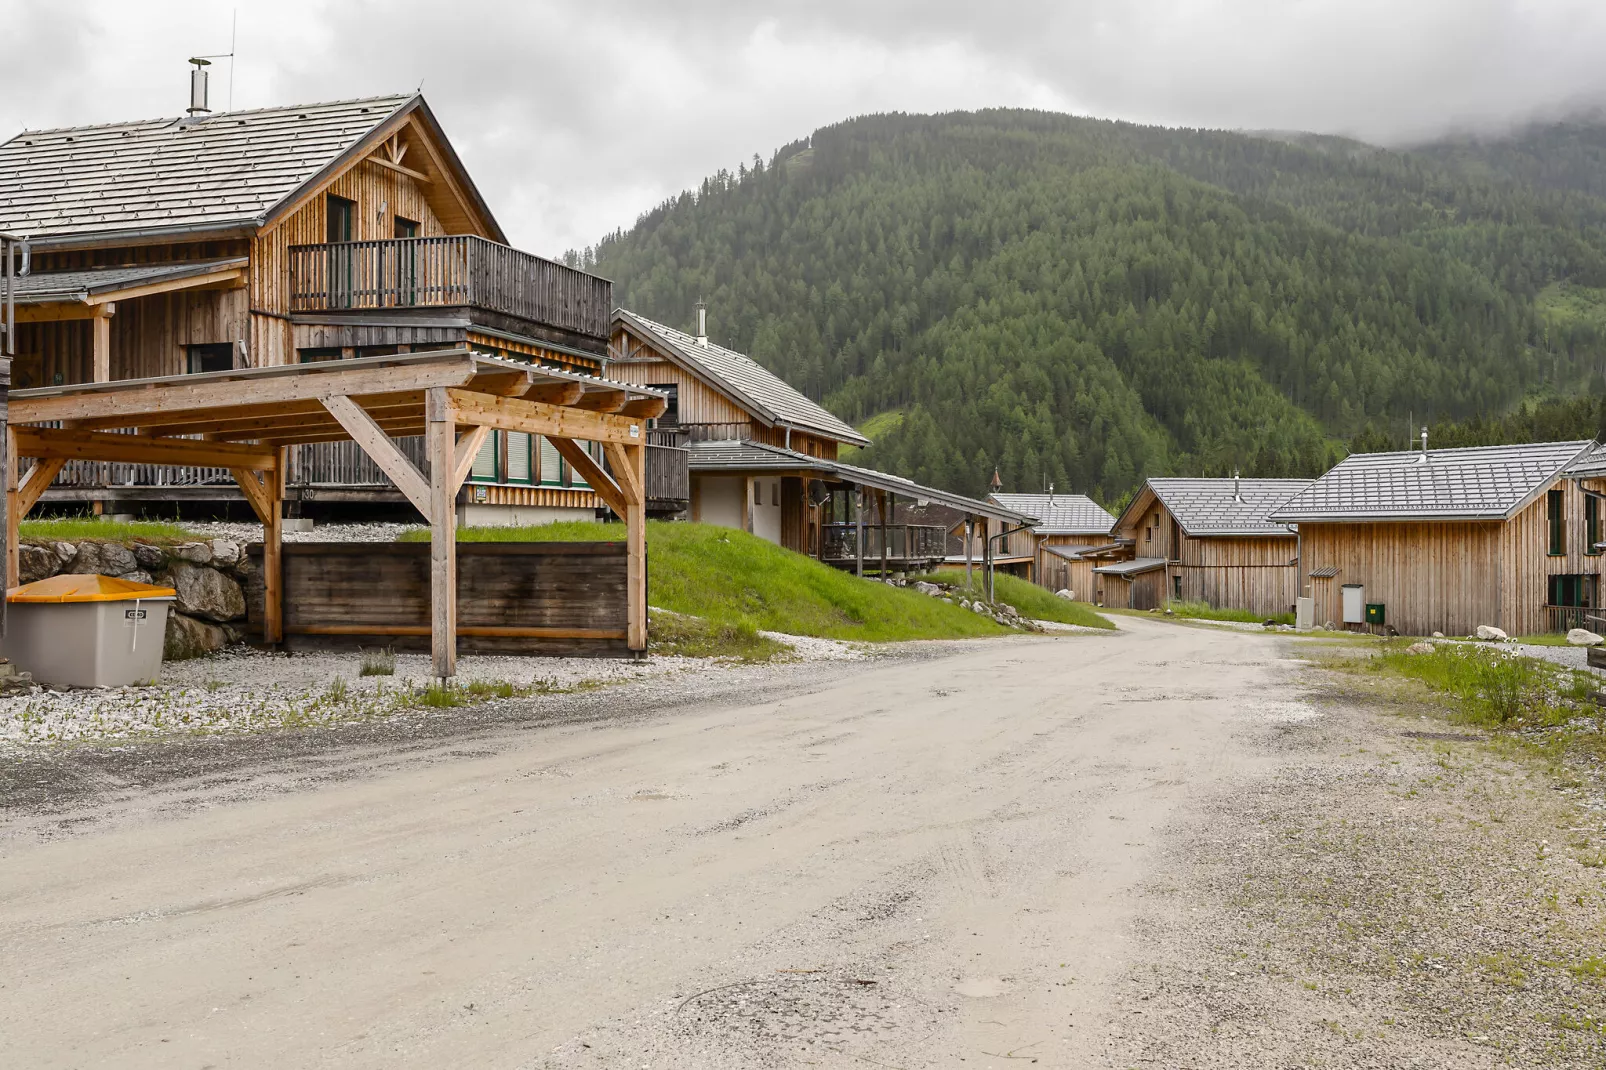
234,228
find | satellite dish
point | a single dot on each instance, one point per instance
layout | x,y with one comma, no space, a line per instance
819,493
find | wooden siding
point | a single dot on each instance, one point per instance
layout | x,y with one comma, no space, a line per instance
148,336
1252,573
574,587
1450,577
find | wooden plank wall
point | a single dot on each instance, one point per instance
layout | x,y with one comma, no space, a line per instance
1526,563
1244,572
518,585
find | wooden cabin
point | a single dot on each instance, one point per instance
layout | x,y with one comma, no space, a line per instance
254,239
1446,540
763,457
1206,540
1066,525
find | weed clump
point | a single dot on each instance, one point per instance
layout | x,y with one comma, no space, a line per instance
380,662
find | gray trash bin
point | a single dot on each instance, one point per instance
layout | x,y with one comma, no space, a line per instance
87,631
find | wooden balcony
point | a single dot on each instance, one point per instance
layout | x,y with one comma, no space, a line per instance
907,545
1566,618
456,271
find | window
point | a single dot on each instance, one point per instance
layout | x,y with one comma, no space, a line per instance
1176,543
1558,531
551,464
406,228
315,354
485,462
1148,534
1176,587
517,467
339,217
671,416
758,492
1574,590
775,492
1591,524
211,357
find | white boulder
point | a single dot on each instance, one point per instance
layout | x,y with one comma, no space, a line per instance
1420,648
1067,594
1584,637
1489,633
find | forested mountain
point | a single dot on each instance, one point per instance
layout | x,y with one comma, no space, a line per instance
1091,302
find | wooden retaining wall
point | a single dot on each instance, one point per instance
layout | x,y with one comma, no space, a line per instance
554,598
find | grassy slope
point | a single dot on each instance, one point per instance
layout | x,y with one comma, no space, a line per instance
1032,601
79,528
1203,611
733,578
878,426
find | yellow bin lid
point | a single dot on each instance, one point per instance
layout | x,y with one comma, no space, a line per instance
70,588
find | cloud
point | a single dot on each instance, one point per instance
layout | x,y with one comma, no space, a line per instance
576,117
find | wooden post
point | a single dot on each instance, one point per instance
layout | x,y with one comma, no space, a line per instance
13,514
102,347
881,505
273,553
636,549
970,542
858,532
440,440
747,504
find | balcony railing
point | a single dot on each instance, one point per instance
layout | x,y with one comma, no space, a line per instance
1566,618
905,542
458,269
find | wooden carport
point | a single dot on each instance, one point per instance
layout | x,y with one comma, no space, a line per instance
246,420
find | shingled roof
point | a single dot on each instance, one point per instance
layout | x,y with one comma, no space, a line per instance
1225,507
227,170
1060,514
762,392
1477,483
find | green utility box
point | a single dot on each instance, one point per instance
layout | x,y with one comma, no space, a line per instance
1374,613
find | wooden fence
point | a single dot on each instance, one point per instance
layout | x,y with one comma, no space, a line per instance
558,598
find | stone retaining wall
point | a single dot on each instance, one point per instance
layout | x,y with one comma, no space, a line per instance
209,612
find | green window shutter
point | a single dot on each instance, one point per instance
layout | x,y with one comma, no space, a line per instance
518,458
484,470
551,467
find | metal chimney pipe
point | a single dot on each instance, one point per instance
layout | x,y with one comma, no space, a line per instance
1237,493
198,102
702,323
1424,446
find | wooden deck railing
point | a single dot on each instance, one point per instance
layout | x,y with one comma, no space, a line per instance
1566,618
668,466
458,269
905,542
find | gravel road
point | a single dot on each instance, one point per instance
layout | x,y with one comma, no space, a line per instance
1080,851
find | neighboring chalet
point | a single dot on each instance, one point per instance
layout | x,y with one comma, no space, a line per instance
1446,540
1067,524
763,457
1202,540
255,239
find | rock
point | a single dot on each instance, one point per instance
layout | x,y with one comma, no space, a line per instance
1268,623
66,551
139,575
1007,610
104,558
1329,627
205,592
1420,648
979,607
149,556
198,553
36,562
930,589
226,553
1584,637
1489,633
1438,635
191,638
1066,593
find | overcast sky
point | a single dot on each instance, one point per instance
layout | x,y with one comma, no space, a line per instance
574,117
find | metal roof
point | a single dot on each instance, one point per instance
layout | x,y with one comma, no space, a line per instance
743,456
224,170
762,392
1476,483
1224,507
43,286
1131,568
1060,514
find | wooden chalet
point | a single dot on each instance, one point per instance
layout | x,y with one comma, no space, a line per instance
1203,540
285,236
1446,540
1067,524
763,457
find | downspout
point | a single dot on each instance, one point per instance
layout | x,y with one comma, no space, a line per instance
992,554
1299,571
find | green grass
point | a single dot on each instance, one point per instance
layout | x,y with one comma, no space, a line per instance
1203,611
1031,600
878,426
729,577
1547,639
1492,688
694,637
81,528
1566,304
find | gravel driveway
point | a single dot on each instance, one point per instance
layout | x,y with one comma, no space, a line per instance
1168,846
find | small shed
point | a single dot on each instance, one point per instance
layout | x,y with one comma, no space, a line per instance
1135,584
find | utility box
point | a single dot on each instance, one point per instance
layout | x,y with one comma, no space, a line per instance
1374,613
1304,613
87,631
1354,603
